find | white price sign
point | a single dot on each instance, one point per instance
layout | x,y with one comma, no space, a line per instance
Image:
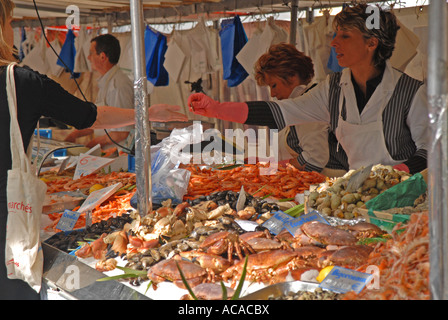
98,197
88,164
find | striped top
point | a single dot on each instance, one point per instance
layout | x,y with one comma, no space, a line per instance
398,136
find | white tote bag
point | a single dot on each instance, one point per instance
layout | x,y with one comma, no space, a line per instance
25,196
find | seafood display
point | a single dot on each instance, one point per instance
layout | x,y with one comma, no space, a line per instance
403,262
334,200
285,183
117,205
56,183
252,205
204,241
71,241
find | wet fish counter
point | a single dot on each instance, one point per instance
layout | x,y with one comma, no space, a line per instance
252,243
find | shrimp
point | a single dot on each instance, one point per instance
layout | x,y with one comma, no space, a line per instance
404,272
286,183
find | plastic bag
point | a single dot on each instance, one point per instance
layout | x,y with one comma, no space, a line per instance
168,180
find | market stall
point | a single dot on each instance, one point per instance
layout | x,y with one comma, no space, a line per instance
288,231
211,233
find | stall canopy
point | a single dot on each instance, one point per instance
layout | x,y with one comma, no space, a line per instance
118,11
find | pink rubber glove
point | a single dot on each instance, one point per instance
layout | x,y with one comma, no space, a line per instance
401,167
203,105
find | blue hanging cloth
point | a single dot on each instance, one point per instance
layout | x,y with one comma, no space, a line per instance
155,49
233,39
68,53
21,53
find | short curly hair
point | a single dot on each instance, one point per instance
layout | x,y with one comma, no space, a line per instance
355,17
284,61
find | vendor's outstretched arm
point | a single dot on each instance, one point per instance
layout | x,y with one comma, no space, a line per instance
254,112
113,117
203,105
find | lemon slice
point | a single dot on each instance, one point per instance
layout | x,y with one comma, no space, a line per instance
95,187
44,180
323,273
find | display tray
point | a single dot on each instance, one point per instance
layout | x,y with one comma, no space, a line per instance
79,281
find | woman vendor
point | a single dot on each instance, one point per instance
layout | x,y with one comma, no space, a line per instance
376,114
38,95
289,73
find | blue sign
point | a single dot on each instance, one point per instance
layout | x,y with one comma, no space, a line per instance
342,280
276,223
68,220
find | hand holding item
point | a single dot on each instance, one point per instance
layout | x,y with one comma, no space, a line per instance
75,134
401,167
166,113
203,105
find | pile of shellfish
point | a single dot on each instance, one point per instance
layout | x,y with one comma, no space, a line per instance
332,198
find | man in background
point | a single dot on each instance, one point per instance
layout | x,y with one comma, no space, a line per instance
114,88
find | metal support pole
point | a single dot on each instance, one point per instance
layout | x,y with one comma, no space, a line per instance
293,26
309,15
437,151
142,132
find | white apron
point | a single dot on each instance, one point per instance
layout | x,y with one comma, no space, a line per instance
285,152
359,140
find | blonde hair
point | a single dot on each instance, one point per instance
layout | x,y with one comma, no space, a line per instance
6,51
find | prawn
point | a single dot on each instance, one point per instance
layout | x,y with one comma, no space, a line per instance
404,273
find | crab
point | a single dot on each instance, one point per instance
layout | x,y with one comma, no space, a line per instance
262,240
309,254
255,234
263,244
209,291
168,270
213,264
328,235
363,230
265,266
300,239
220,242
351,256
285,236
